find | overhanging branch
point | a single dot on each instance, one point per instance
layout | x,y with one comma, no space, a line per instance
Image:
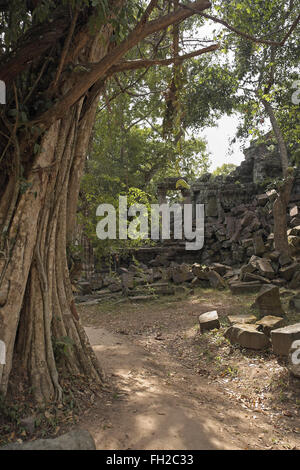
138,64
34,44
127,65
152,5
241,33
99,71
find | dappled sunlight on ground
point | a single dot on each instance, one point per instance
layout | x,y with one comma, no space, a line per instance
172,388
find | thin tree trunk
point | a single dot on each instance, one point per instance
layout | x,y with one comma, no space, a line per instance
279,137
284,191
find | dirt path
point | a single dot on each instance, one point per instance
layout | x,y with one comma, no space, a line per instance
157,399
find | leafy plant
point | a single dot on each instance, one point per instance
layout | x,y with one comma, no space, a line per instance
62,346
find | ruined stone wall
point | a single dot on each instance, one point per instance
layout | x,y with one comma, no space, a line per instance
238,209
238,213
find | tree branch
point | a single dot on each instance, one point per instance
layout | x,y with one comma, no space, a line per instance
240,33
34,44
152,5
87,80
292,28
131,85
66,48
137,64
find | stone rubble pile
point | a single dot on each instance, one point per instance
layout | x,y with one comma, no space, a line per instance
264,274
247,230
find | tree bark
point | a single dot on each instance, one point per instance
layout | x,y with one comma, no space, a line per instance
279,137
284,191
38,311
39,301
279,214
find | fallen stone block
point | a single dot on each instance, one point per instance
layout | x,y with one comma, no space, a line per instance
247,336
287,272
164,291
103,292
258,245
284,260
181,274
274,256
209,321
74,440
127,280
282,338
294,242
85,287
295,282
116,287
234,279
295,302
248,218
279,282
247,242
247,269
295,221
294,211
232,273
241,319
262,199
268,301
220,268
196,282
248,277
245,287
272,195
270,323
295,231
96,284
89,303
199,271
265,268
181,290
215,280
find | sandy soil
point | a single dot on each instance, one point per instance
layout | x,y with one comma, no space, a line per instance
168,387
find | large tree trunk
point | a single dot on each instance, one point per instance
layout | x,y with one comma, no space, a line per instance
37,307
39,300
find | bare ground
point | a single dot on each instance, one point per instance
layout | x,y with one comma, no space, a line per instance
171,388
